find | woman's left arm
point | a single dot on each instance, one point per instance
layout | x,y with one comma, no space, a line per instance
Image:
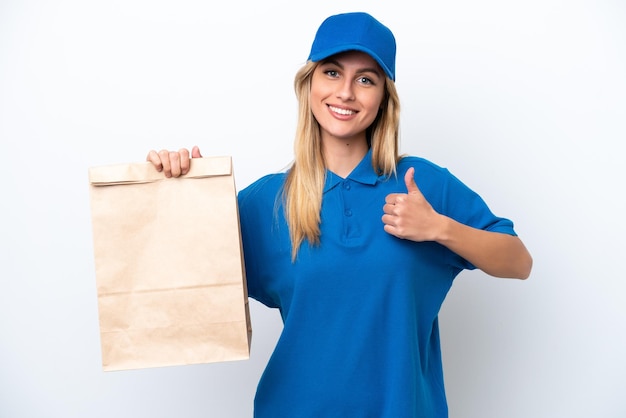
497,254
410,216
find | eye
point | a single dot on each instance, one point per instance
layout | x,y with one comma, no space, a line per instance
331,73
365,80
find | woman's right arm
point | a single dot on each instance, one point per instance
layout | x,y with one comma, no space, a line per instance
173,163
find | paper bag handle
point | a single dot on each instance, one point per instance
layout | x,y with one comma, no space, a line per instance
144,172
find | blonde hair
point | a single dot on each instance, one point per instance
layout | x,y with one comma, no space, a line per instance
304,185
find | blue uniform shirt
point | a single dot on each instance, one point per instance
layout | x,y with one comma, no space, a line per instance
360,336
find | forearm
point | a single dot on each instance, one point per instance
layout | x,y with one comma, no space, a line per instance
497,254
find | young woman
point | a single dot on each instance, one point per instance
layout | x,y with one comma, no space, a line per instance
356,245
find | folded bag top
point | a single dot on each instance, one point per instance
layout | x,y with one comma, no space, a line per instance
145,172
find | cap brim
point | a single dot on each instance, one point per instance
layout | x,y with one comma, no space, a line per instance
321,55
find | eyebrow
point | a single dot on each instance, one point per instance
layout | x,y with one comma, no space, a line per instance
333,61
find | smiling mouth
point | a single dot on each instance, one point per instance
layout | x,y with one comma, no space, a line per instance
341,111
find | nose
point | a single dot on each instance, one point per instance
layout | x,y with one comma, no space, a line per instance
345,90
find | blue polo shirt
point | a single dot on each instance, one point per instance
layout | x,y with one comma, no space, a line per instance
360,336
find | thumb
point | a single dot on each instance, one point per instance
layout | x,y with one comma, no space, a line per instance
409,180
195,152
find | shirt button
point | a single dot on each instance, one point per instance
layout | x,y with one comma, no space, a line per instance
348,212
346,186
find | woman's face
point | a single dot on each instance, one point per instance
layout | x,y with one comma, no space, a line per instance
347,90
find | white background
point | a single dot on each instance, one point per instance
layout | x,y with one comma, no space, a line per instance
524,101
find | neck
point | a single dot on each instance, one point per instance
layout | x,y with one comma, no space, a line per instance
342,156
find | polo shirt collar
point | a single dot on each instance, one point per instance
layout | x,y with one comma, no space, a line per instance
363,173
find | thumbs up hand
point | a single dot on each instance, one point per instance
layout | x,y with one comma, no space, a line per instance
409,215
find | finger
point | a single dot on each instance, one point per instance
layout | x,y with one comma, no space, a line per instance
394,198
392,229
183,155
389,209
195,152
164,156
175,159
409,180
154,158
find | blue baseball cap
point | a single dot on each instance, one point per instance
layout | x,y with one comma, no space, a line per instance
356,31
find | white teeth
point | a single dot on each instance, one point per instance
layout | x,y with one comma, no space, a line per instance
341,111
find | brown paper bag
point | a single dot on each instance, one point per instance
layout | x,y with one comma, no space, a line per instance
169,266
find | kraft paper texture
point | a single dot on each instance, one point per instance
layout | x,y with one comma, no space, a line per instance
169,265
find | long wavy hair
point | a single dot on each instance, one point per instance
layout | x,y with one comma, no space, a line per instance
304,185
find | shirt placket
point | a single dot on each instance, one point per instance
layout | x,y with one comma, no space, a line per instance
351,229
